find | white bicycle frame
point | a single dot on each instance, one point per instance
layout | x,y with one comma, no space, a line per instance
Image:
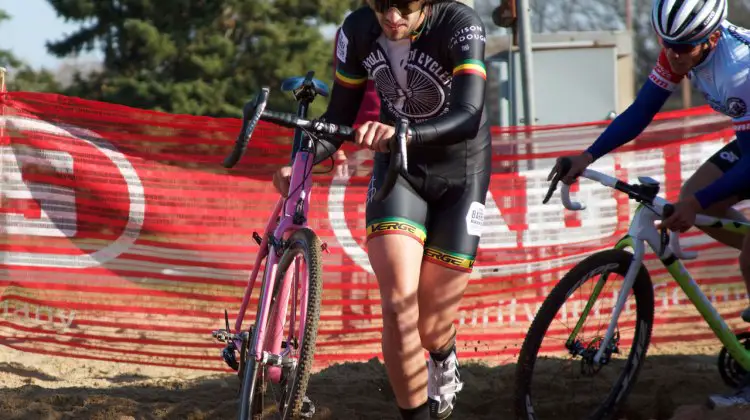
642,229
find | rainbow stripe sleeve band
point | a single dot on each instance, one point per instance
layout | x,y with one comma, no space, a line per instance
471,67
348,80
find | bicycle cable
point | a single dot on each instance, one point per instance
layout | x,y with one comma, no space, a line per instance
315,143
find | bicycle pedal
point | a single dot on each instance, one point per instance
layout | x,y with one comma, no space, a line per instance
257,238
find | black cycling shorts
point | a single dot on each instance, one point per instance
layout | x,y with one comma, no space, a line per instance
444,215
726,158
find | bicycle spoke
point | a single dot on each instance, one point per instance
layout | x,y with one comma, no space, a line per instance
556,366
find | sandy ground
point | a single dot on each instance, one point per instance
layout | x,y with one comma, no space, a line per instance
38,387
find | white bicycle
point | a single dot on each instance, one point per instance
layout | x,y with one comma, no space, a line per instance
593,355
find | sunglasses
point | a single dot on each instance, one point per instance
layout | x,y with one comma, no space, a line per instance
404,7
680,48
683,47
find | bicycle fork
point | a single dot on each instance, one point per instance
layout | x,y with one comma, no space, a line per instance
641,232
639,249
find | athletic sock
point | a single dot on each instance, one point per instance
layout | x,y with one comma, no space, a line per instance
418,413
439,356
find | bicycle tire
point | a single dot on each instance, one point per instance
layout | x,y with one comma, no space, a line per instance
306,243
248,407
249,372
644,295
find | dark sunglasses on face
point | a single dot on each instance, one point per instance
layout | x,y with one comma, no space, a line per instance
680,48
404,7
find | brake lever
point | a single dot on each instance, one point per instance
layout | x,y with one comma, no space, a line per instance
402,131
663,235
398,160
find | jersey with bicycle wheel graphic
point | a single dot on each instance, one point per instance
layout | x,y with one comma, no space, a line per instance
413,77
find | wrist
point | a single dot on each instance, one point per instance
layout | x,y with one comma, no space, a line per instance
588,156
694,203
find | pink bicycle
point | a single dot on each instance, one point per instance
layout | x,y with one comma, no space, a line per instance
273,352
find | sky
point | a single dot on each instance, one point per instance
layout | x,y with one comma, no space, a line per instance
32,24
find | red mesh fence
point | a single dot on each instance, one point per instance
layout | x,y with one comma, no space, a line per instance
124,239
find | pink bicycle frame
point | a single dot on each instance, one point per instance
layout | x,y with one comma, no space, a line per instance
270,341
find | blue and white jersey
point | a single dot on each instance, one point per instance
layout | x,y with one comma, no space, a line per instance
723,77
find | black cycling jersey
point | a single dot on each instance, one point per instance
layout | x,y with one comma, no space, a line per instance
436,80
445,78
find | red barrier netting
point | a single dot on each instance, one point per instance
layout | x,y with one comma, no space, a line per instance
125,239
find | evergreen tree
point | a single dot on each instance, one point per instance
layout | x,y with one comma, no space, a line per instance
200,57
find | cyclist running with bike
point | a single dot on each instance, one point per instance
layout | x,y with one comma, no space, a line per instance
700,44
427,60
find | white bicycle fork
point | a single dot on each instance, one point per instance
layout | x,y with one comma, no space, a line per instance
642,231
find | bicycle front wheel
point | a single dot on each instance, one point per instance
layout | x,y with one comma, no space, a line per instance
556,376
297,307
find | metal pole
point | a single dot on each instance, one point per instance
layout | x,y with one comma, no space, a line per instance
628,15
2,78
527,68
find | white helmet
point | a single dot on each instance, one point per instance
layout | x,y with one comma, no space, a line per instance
687,21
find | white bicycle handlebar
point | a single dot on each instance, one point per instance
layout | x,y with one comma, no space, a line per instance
659,204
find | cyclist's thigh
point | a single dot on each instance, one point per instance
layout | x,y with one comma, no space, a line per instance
403,212
455,225
713,168
395,239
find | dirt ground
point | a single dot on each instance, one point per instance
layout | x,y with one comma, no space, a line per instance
35,387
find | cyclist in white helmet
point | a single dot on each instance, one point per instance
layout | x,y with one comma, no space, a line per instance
700,44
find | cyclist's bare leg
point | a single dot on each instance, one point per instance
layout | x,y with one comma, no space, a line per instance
396,261
705,175
440,292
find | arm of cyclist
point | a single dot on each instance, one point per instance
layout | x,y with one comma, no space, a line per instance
733,180
625,127
464,116
349,85
728,184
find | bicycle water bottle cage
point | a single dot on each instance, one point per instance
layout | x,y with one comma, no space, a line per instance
305,88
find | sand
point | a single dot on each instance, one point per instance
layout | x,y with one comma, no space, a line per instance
37,387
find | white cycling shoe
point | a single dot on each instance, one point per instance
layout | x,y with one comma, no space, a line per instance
443,385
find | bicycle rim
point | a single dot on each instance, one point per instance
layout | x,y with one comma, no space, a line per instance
616,377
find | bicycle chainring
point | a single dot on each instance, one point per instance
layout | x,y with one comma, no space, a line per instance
732,373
